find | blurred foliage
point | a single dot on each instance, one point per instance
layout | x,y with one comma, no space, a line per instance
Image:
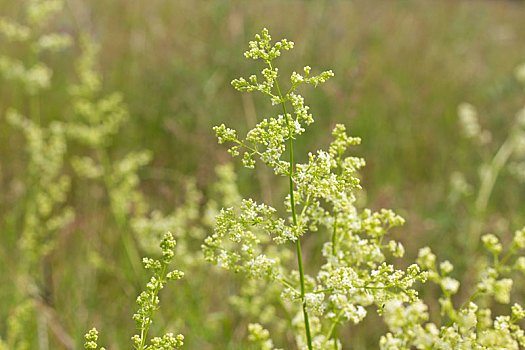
402,68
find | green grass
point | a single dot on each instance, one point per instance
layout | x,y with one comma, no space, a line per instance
402,67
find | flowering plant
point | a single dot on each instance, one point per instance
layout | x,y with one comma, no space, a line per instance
252,238
148,302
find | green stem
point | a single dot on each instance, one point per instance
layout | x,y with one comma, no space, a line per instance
507,256
334,248
255,151
334,337
144,331
294,217
334,233
489,179
332,332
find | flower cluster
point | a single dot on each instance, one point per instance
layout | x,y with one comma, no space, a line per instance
469,326
469,121
32,76
95,120
268,139
92,340
148,302
46,144
16,330
260,336
47,214
355,274
42,212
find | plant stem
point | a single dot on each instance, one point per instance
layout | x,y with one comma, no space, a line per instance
294,217
332,332
489,178
334,233
305,313
334,337
334,248
144,331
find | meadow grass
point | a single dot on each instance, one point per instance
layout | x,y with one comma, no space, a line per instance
402,68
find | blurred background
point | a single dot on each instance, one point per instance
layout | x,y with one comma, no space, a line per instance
401,68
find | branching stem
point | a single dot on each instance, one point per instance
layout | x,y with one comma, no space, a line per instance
294,217
144,330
